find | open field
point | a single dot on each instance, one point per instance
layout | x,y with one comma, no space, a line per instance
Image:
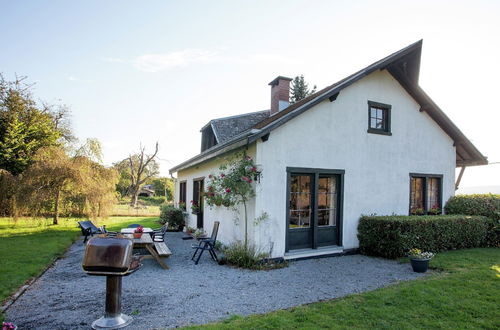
28,246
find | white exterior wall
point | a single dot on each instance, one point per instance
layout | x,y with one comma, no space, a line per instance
333,135
231,223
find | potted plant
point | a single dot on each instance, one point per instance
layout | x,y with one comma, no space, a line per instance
194,207
435,210
420,260
417,211
8,326
138,232
190,230
199,233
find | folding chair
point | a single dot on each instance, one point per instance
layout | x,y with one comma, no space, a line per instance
158,235
206,244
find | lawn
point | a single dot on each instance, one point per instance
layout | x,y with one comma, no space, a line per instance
146,207
29,245
463,292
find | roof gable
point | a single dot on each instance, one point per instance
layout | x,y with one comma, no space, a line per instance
228,127
403,65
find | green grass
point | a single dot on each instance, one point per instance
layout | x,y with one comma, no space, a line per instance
29,245
124,209
465,293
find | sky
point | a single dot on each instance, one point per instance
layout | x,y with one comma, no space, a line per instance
134,73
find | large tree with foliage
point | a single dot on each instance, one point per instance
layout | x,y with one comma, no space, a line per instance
26,126
300,89
164,187
56,182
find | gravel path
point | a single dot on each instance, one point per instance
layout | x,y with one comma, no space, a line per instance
66,298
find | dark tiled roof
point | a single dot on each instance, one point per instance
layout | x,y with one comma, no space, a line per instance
226,128
404,65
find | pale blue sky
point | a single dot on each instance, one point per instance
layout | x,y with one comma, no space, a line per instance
139,72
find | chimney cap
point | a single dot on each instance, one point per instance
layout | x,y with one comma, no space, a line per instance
277,79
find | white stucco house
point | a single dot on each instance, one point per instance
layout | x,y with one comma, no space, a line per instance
371,143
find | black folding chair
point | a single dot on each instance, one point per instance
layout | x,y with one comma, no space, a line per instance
158,235
89,229
206,244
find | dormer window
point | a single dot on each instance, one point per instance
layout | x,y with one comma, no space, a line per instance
379,118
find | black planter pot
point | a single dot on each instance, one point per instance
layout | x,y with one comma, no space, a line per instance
420,265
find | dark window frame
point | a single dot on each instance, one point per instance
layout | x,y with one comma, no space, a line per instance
199,198
183,193
386,118
425,197
316,172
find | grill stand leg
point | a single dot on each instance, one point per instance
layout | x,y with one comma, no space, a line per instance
113,317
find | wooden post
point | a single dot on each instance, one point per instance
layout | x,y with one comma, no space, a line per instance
462,170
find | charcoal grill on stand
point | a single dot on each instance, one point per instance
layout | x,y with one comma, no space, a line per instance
111,257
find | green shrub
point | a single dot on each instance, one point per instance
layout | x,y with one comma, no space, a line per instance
487,205
174,216
238,255
394,236
153,200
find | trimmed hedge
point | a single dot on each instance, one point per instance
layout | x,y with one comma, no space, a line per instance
487,205
394,236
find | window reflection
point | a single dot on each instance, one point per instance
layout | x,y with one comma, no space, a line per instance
327,196
300,201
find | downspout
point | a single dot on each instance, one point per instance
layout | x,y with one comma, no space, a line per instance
462,170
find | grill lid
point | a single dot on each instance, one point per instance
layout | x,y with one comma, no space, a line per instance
107,256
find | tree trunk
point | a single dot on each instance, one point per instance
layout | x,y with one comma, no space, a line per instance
56,208
246,225
135,198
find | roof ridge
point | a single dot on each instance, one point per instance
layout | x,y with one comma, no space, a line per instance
240,115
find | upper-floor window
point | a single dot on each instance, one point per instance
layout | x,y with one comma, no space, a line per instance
379,118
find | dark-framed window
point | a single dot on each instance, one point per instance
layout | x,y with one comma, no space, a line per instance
197,202
426,193
182,194
379,118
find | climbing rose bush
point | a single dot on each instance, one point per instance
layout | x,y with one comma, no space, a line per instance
233,185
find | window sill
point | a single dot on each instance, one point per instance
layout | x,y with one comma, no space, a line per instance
377,131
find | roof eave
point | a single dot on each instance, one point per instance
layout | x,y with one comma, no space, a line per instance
239,141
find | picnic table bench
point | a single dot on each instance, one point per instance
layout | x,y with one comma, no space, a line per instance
162,249
157,250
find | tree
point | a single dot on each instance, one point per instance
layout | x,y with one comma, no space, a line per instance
46,180
57,183
164,187
142,168
300,89
25,126
124,177
8,185
233,186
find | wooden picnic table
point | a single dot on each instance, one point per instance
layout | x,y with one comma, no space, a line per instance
131,230
157,250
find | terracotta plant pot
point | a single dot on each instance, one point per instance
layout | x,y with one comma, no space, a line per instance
137,235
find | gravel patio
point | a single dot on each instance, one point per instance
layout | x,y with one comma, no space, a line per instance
66,298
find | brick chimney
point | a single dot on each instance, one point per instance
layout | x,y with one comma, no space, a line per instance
280,94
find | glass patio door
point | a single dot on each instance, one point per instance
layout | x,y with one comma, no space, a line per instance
313,210
300,211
